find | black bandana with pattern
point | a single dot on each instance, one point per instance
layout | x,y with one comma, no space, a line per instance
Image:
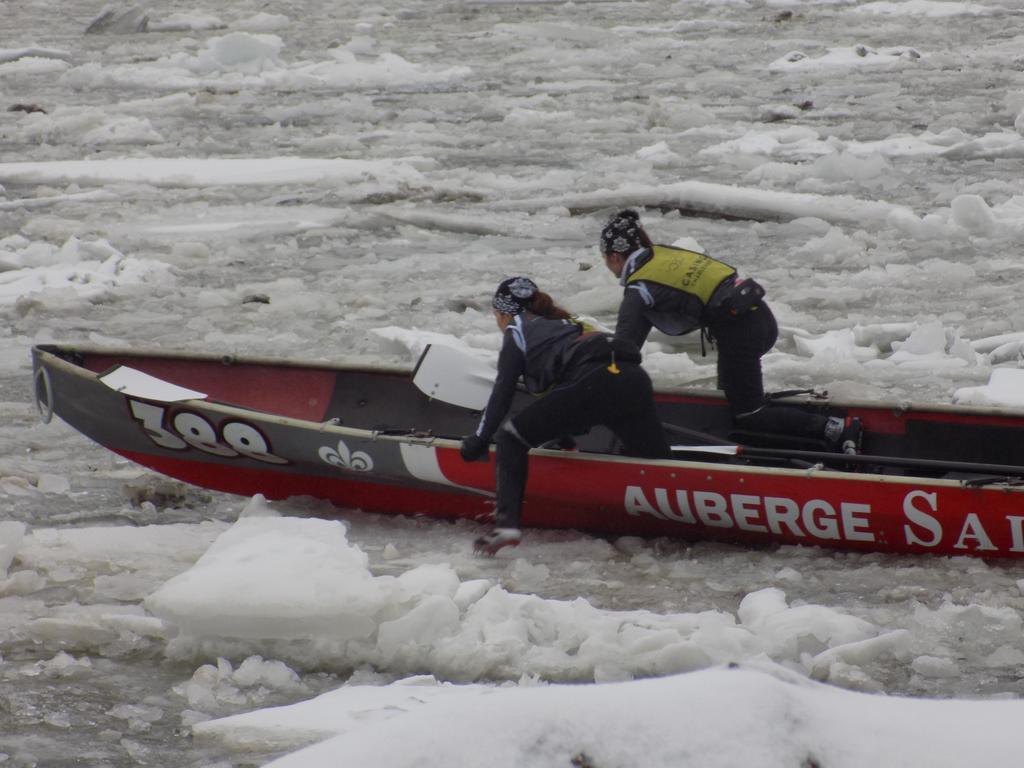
514,295
622,233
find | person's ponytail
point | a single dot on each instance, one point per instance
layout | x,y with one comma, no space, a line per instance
641,234
543,305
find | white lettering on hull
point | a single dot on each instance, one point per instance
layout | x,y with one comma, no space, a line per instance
919,517
827,521
814,519
928,531
974,530
1016,533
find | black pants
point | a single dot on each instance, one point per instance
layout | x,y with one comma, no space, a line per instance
741,342
623,402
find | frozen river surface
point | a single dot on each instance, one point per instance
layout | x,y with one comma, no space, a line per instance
383,167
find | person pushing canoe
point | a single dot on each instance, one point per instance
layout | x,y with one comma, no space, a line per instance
586,378
678,291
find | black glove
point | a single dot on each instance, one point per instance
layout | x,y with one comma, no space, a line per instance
474,448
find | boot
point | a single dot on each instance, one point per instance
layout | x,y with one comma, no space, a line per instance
496,540
849,440
844,435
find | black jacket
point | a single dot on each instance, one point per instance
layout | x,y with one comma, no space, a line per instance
545,354
647,305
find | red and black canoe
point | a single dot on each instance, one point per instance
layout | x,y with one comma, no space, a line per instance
939,479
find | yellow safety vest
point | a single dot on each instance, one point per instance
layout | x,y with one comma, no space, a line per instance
684,270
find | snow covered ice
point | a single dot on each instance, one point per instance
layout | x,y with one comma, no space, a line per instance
348,182
286,595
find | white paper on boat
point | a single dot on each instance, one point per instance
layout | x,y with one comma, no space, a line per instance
129,381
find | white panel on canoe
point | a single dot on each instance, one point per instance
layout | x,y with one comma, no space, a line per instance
130,381
724,450
421,462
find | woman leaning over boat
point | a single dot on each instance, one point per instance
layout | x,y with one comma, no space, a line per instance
586,379
677,291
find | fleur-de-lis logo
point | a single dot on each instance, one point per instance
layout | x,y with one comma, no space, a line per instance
359,461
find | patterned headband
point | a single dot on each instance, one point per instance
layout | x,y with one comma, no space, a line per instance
621,234
514,295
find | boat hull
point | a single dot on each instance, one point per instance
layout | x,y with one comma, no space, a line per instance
365,438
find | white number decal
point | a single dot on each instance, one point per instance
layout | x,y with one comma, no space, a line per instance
198,432
152,418
248,441
190,429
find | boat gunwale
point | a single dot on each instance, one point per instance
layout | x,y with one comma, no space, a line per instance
228,359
